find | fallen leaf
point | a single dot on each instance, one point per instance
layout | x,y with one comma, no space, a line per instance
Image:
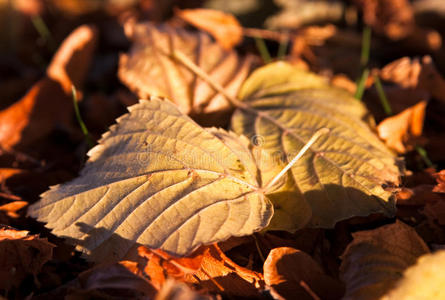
49,101
110,281
158,179
392,18
295,14
224,27
218,273
11,208
21,254
424,280
402,131
417,74
159,265
293,274
149,70
342,174
72,60
374,261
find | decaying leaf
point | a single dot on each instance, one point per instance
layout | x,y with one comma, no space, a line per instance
21,254
401,131
224,27
376,259
219,273
149,69
49,101
343,173
160,180
293,274
423,281
440,178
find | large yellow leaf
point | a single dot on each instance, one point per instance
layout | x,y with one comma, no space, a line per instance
149,69
344,172
157,179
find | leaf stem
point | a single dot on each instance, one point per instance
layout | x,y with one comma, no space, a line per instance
422,152
282,49
361,84
303,150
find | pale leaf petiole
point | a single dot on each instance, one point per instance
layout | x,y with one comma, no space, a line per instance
303,150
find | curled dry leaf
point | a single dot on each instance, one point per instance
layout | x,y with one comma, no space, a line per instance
440,178
402,131
224,27
374,261
342,174
150,70
21,254
49,101
424,280
219,273
158,179
293,274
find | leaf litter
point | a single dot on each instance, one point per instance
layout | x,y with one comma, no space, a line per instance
217,86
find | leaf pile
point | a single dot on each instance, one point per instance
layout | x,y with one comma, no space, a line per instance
172,151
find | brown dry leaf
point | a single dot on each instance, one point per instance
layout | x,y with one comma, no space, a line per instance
149,70
111,281
376,259
6,173
11,208
21,254
392,18
310,36
293,274
224,27
413,73
400,132
72,60
49,101
158,265
219,273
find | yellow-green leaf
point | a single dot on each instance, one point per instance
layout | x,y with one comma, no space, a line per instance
157,179
342,175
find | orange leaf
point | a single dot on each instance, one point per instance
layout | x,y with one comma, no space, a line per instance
293,274
21,254
219,273
224,27
11,208
158,265
400,131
